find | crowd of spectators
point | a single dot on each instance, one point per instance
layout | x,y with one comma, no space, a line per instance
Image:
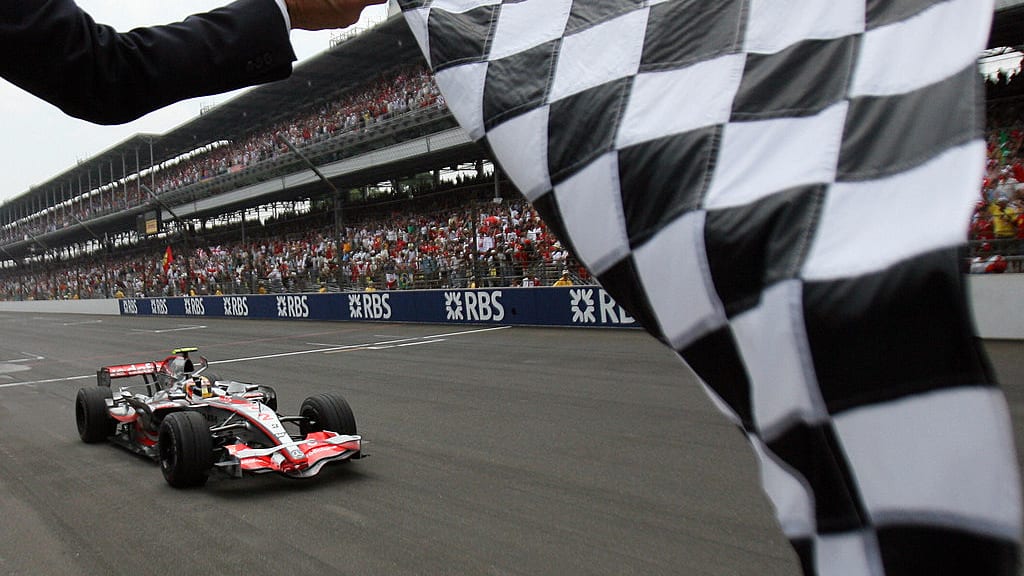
469,244
996,230
390,95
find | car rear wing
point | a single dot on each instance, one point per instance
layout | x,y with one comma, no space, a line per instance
107,373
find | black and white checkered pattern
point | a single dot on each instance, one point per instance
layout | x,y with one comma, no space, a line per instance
776,189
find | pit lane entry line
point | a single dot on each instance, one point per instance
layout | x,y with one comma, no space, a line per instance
424,340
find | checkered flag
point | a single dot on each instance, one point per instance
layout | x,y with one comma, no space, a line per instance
777,189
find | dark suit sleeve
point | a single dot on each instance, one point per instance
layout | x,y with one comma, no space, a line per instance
56,51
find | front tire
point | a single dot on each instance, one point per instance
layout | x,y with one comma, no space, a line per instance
327,412
186,449
91,415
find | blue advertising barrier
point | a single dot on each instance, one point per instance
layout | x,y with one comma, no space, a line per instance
569,306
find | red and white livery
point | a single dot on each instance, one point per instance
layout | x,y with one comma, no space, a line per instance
195,424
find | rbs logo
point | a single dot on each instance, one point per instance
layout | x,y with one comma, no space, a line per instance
369,306
158,306
129,307
478,306
292,307
194,307
585,309
236,306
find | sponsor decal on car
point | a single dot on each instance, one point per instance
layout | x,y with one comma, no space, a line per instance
126,370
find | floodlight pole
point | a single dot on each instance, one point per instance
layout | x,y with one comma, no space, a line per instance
87,229
330,186
37,240
162,204
309,163
182,223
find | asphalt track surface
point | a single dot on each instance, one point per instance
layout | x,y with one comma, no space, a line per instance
493,452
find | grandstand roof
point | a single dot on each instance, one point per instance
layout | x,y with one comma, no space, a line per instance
347,65
1008,24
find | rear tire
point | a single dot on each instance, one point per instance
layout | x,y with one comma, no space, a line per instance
186,449
91,415
327,412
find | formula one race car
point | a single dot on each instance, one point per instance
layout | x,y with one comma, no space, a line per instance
194,423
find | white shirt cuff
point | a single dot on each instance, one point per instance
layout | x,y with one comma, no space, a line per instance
284,12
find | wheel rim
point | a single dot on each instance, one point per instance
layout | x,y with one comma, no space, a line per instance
312,420
167,452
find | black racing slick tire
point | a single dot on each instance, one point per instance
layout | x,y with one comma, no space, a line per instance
186,449
91,415
327,412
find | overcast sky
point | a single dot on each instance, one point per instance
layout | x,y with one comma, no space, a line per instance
39,141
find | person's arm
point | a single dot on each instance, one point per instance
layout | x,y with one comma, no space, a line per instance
56,51
323,14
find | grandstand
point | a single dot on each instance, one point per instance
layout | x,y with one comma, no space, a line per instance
124,176
1006,25
996,232
356,133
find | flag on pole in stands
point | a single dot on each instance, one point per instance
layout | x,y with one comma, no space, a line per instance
776,189
168,259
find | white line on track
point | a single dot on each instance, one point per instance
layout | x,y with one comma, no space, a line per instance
368,346
424,342
399,345
178,329
28,358
83,323
333,346
467,332
50,381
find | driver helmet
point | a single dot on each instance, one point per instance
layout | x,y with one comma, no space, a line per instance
199,387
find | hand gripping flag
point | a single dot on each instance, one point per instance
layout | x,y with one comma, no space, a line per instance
777,190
